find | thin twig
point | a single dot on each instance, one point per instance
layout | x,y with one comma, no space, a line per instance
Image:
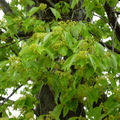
106,45
6,99
14,42
110,47
101,17
113,36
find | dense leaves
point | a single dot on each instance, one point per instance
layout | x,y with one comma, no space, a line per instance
61,56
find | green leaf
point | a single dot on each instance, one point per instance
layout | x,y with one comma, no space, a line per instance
112,106
112,3
93,61
14,2
99,49
114,61
27,23
65,110
4,118
69,39
56,13
30,2
24,50
99,9
32,11
110,102
67,96
95,112
74,2
113,82
88,72
9,19
29,102
74,32
12,119
3,63
69,62
63,50
47,39
57,111
118,60
40,49
50,53
76,45
19,103
89,6
94,96
47,36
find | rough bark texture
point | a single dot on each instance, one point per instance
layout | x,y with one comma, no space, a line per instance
46,101
5,7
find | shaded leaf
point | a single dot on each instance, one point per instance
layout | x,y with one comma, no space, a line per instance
73,118
95,112
114,61
57,111
69,62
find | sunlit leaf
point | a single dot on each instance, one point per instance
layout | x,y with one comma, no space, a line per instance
63,50
74,2
69,39
56,13
32,11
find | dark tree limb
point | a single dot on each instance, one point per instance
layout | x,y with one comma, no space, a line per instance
2,98
6,99
5,7
112,20
110,47
25,36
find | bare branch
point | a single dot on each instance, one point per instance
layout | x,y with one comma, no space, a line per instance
7,45
6,99
110,47
101,17
2,98
112,20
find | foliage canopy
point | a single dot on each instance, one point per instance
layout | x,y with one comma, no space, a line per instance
67,62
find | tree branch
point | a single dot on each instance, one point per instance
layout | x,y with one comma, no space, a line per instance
2,98
5,7
7,45
112,20
110,47
6,99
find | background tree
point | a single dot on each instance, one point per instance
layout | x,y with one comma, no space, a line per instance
59,55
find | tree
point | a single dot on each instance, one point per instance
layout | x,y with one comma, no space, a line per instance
67,63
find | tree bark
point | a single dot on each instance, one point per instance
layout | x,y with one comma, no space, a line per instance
5,7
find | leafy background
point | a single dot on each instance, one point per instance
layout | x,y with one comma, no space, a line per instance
57,54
